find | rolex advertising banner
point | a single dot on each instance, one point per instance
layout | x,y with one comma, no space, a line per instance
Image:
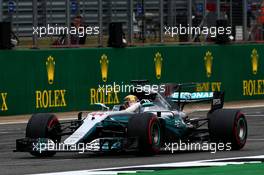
57,80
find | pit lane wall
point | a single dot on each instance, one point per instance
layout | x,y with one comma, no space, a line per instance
57,80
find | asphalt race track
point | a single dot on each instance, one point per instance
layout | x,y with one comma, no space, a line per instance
23,163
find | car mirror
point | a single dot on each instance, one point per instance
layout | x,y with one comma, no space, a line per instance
148,104
103,106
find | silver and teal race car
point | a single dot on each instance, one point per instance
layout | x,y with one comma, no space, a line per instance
153,122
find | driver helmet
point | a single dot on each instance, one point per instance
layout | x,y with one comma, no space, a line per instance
130,100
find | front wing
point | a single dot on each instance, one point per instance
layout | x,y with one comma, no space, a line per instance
110,144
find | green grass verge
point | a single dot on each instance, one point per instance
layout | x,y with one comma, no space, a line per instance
245,169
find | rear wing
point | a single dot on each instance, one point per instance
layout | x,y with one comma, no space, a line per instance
177,95
191,96
181,94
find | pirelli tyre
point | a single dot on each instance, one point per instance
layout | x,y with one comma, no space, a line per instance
43,126
228,126
146,128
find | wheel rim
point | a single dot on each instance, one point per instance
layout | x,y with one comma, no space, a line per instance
241,129
54,130
155,134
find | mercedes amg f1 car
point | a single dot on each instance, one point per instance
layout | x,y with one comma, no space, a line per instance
155,119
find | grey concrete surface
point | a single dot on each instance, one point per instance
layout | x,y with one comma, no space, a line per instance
23,163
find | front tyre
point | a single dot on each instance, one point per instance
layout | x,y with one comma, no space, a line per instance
43,126
228,126
146,128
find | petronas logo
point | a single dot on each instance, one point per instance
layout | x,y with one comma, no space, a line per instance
158,65
208,62
104,67
50,65
254,61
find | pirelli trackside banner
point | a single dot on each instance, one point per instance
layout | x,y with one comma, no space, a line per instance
56,80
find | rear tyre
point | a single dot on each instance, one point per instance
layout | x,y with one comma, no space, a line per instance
146,128
228,126
43,126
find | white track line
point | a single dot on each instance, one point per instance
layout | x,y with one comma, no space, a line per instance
11,123
231,107
250,106
256,139
24,122
196,110
255,115
197,163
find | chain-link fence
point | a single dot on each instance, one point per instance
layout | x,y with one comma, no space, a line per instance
144,21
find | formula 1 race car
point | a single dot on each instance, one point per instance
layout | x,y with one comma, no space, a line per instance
144,127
